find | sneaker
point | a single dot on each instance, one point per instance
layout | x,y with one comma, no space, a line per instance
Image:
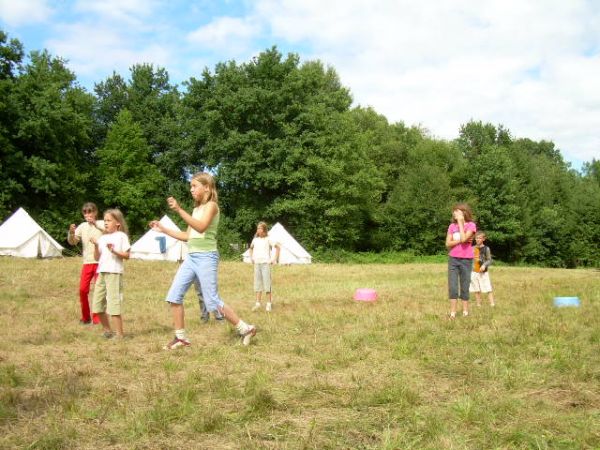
85,322
452,316
108,335
248,334
204,318
465,313
268,307
176,343
256,307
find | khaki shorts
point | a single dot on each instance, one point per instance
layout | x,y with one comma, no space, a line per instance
480,282
262,277
108,294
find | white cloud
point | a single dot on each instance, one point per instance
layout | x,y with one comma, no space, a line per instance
100,50
231,34
129,12
24,12
111,36
442,63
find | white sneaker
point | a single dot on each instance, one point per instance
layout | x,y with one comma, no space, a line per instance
249,334
268,307
256,307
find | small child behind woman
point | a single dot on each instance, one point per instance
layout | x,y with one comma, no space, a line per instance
480,277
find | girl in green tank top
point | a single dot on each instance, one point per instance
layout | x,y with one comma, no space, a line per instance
201,261
207,241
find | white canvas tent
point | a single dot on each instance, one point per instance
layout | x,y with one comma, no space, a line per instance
291,251
148,247
21,236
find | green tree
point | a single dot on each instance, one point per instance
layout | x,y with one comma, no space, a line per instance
284,147
127,177
154,103
498,205
584,237
11,56
111,98
417,212
474,137
547,190
591,170
389,145
47,166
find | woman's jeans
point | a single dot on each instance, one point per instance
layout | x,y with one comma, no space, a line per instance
459,277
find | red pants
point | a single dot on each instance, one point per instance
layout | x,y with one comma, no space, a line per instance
88,274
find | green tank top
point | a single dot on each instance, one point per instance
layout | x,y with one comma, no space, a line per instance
207,241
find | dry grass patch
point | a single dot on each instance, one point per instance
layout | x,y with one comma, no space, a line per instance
323,372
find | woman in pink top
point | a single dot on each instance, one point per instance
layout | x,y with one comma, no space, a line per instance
460,261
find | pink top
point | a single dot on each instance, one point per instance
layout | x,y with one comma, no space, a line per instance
464,250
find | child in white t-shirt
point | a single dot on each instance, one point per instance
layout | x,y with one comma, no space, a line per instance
260,254
110,250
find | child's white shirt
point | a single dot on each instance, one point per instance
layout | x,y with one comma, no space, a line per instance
108,262
261,249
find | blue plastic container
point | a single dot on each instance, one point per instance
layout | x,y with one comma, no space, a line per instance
561,302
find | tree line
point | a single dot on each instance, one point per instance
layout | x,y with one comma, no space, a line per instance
285,144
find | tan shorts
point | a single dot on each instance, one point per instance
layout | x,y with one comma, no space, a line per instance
108,294
262,277
480,282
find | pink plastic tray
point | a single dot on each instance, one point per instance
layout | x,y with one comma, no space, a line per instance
365,295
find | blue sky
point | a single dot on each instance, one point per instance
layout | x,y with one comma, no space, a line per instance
531,66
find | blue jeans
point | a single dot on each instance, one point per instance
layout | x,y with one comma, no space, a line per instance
202,266
204,314
459,277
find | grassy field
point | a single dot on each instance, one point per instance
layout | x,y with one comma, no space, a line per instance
324,372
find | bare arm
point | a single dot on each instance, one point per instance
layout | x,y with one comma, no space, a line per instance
200,225
450,242
179,235
122,255
72,239
277,252
465,236
468,237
